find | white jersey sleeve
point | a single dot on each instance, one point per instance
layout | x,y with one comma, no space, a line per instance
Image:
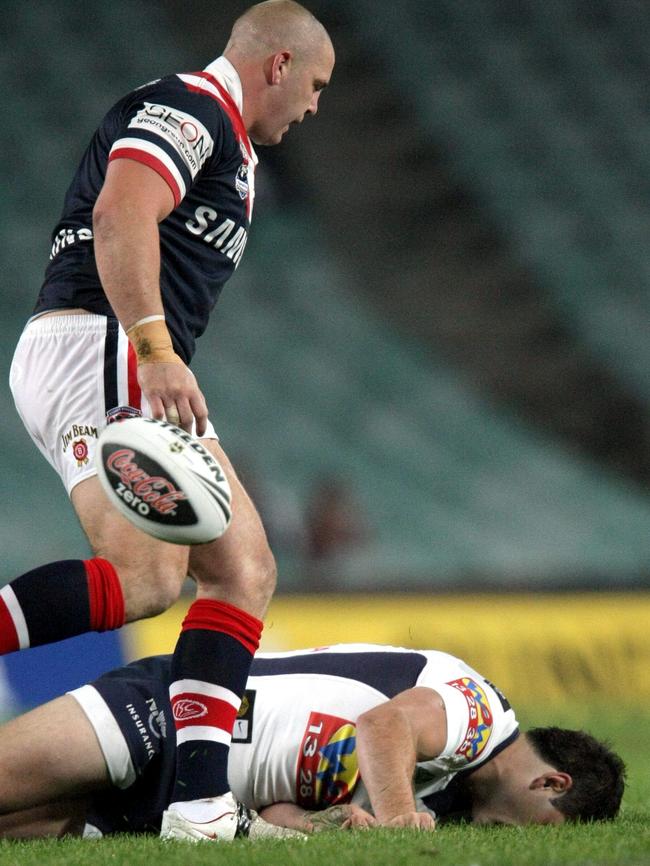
479,718
296,740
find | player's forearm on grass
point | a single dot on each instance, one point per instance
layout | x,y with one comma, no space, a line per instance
387,757
285,815
340,817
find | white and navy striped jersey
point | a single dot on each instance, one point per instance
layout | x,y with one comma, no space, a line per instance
188,128
303,722
295,737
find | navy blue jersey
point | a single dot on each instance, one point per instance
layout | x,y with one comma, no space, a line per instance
295,736
188,128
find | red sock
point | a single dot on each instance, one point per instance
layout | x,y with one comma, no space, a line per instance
209,672
59,600
105,596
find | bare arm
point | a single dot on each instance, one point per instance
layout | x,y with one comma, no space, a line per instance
133,200
391,738
343,817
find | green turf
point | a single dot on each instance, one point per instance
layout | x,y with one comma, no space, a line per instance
626,841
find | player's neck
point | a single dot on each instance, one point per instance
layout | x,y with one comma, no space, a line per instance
488,778
518,760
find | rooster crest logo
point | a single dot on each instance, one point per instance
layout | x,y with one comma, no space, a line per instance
187,708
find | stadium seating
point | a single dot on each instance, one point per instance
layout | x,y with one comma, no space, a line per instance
305,380
541,107
451,486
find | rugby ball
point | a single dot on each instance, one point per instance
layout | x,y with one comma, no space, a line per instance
164,481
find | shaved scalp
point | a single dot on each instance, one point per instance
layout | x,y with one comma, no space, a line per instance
276,25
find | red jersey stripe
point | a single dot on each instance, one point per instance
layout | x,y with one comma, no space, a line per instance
152,162
228,104
135,394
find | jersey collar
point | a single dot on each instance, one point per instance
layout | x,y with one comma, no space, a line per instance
225,73
223,70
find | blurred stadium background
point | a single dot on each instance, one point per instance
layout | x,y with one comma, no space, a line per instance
433,367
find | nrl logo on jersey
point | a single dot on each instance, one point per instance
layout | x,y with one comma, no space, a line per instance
241,181
244,180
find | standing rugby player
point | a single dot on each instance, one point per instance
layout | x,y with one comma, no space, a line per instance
154,222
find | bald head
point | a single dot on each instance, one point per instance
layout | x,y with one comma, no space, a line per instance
284,58
277,25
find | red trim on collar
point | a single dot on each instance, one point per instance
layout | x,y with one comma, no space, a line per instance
230,106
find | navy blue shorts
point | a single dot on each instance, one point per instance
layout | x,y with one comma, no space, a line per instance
130,712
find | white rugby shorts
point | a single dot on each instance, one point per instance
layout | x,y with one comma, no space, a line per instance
70,377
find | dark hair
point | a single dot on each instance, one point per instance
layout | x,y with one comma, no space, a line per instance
598,773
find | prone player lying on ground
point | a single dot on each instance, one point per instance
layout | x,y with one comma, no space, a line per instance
349,735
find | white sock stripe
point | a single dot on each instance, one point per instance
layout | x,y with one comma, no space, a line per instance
17,615
202,732
209,690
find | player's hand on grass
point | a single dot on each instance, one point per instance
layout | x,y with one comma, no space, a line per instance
416,820
359,819
173,394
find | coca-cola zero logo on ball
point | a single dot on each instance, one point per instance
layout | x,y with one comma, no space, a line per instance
146,488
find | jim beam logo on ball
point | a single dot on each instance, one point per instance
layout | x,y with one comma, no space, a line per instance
146,488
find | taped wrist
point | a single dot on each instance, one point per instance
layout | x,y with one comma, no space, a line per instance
152,342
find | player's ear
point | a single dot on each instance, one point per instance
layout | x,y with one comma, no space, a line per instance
556,780
277,66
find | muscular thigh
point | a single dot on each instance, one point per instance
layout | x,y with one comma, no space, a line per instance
151,572
239,566
48,754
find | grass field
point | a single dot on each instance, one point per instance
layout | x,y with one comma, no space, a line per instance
626,841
